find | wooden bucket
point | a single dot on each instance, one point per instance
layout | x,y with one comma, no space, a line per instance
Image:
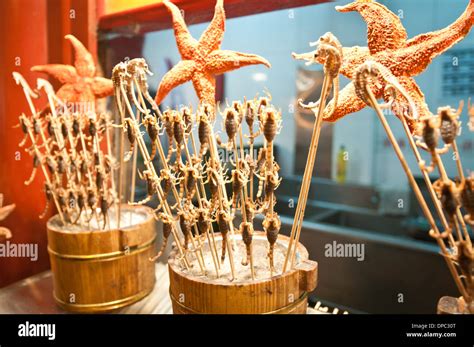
102,270
280,294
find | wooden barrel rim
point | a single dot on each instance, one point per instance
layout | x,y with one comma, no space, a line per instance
303,297
172,262
144,209
111,305
104,256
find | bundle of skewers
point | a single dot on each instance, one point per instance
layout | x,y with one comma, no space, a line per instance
453,199
66,144
199,193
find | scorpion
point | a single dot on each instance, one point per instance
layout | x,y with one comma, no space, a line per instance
24,128
204,133
239,180
81,203
150,187
449,197
204,218
465,259
187,218
178,132
430,136
214,180
231,125
168,123
152,129
449,124
246,229
48,191
168,222
191,176
104,205
223,221
467,198
271,225
187,117
36,163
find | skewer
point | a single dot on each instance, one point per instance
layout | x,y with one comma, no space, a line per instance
213,255
374,104
150,167
222,197
43,84
303,196
204,195
45,171
199,256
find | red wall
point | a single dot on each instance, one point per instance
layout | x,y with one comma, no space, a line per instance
23,40
33,31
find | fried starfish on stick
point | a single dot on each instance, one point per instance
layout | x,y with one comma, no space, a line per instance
202,59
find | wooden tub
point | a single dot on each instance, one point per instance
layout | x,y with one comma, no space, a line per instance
101,270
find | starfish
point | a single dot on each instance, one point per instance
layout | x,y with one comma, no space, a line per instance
388,45
203,59
4,212
80,83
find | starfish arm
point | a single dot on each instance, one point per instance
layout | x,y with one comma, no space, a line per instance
102,87
83,61
384,28
211,39
348,102
221,61
6,210
5,233
179,74
205,86
74,93
353,57
462,25
63,73
186,43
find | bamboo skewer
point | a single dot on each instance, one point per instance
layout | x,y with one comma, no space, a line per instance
416,189
303,196
203,194
199,256
45,171
222,197
212,250
150,167
28,93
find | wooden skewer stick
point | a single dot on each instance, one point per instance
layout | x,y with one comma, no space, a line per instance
213,255
199,253
416,189
85,152
43,168
426,177
149,165
305,185
458,161
109,152
44,84
222,197
204,195
28,94
246,198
